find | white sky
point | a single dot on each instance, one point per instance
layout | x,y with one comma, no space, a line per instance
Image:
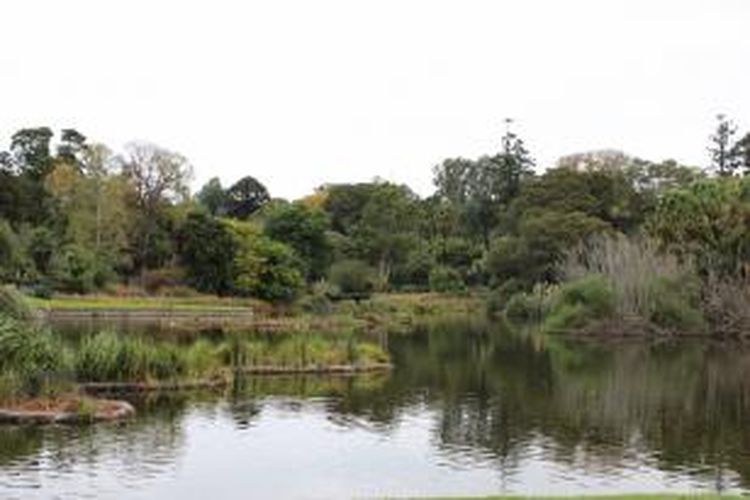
298,93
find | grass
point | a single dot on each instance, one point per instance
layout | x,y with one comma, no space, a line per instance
202,302
301,350
637,496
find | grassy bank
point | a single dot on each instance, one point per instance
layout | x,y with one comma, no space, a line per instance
394,312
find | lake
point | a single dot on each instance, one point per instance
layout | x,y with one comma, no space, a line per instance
469,409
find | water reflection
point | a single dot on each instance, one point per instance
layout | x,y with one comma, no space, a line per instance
469,409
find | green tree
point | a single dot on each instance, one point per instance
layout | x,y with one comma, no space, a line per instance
709,220
213,197
207,249
158,177
303,228
724,157
262,267
245,197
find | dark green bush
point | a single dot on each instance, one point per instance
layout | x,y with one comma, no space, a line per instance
676,306
351,279
446,280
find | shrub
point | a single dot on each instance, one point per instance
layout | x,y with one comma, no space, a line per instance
315,303
578,302
593,292
498,299
565,317
522,307
33,355
352,279
14,305
676,306
155,280
445,279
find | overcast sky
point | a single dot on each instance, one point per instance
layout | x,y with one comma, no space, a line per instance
297,93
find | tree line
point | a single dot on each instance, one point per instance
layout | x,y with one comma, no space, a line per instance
77,217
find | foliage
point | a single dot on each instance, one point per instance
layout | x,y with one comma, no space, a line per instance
32,354
262,267
213,197
305,230
444,279
14,305
725,158
352,278
108,357
709,221
245,197
207,250
579,302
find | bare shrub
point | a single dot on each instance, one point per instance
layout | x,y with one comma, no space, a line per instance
726,303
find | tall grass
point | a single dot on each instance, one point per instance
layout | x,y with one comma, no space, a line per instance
32,359
646,283
302,350
108,357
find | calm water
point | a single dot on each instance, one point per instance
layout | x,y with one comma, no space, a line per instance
469,410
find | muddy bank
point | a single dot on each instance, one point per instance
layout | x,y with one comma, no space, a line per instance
72,410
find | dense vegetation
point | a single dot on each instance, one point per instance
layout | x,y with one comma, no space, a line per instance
75,218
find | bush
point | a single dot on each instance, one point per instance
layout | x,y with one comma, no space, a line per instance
315,303
14,305
676,306
155,280
77,270
32,355
579,302
352,279
522,307
498,299
446,280
593,292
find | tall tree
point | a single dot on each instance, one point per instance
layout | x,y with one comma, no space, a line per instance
245,197
742,151
304,229
30,152
213,197
158,176
72,146
724,155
